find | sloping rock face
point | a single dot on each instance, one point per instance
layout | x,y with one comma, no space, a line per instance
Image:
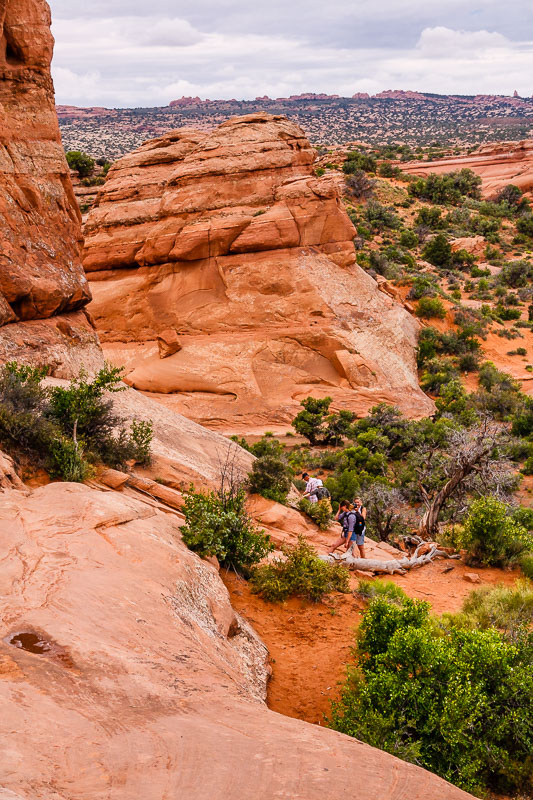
230,240
42,283
125,673
497,164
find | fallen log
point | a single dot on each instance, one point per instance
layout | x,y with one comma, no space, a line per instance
395,565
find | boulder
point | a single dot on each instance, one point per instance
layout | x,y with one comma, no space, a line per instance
227,242
123,650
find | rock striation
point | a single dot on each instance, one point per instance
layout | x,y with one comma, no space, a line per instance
497,164
229,239
42,282
126,673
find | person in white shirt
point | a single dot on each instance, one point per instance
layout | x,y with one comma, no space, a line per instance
311,485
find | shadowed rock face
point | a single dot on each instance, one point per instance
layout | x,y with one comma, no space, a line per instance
41,275
229,239
125,672
497,164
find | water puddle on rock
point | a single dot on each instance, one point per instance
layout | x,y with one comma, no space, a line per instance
31,642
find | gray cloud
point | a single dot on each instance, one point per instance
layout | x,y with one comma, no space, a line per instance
131,53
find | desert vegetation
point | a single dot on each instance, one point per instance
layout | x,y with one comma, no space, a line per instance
68,429
453,693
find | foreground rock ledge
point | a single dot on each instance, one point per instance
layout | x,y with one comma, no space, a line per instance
228,242
147,684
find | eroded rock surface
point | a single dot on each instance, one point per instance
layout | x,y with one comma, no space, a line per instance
41,275
497,164
229,239
125,673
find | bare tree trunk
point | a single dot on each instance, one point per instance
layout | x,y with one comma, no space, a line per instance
429,522
399,565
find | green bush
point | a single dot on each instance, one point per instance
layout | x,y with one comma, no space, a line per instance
369,589
438,251
270,477
524,224
490,536
380,217
320,512
81,162
408,238
449,188
359,185
430,308
456,702
217,524
526,564
507,608
357,160
300,573
67,428
318,425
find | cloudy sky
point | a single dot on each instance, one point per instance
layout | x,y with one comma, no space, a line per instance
132,53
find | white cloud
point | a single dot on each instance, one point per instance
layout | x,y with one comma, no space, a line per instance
150,60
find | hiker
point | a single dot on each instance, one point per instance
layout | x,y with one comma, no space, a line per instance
347,519
358,537
311,486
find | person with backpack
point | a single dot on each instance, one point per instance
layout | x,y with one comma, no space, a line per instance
347,519
358,537
312,486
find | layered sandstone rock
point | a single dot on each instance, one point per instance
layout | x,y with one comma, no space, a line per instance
41,277
228,239
125,672
497,164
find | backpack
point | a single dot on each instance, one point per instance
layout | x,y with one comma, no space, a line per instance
321,493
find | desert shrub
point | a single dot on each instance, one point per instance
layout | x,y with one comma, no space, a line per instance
505,313
508,608
379,216
430,218
384,515
430,307
516,274
320,512
370,589
456,702
81,162
491,536
359,185
67,462
438,372
357,161
524,224
270,477
68,427
380,265
526,564
423,286
438,251
408,238
449,188
217,524
300,573
318,425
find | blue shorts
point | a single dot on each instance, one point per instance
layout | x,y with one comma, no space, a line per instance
358,538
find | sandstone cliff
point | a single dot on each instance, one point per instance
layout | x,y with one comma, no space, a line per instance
229,240
497,164
41,278
126,674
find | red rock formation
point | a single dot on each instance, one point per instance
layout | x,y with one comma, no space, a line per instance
41,277
229,239
498,165
127,674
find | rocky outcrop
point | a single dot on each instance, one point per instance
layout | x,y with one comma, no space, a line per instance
230,240
125,672
41,277
497,164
